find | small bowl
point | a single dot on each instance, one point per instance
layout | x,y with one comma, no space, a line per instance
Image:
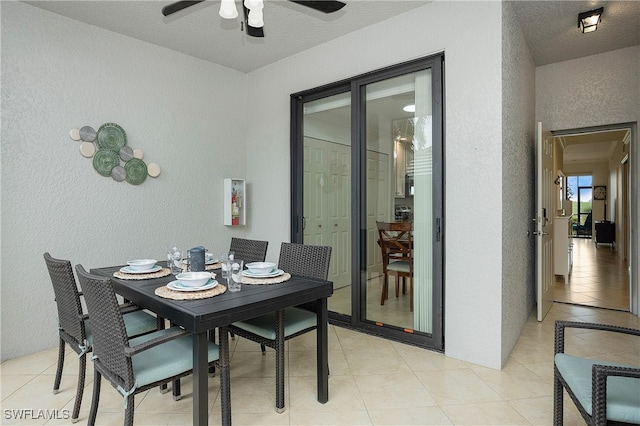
208,257
260,267
194,279
141,264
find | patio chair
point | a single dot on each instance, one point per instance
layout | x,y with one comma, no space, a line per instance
396,244
74,327
585,228
605,393
275,328
131,365
249,250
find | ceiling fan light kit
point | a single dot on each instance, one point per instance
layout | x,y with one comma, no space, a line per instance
228,9
253,11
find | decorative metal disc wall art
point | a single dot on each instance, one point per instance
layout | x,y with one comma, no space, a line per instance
108,147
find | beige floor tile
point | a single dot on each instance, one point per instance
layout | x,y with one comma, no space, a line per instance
537,411
330,418
343,395
485,413
508,382
410,416
12,382
454,387
35,363
390,391
253,395
303,363
253,364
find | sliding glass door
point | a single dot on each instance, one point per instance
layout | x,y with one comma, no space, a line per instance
367,153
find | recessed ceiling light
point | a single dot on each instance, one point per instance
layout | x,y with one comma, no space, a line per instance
409,108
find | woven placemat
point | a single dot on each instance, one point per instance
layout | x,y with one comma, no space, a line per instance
210,267
167,293
124,276
275,280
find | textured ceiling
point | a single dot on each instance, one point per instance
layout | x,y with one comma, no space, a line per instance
552,34
550,28
200,32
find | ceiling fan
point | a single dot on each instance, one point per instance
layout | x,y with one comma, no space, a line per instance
253,11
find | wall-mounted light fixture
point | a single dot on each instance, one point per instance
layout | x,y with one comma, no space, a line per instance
588,21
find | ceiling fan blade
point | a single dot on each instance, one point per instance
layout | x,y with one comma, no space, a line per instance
178,6
252,31
326,6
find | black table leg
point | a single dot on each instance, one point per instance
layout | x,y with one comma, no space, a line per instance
322,348
200,385
225,380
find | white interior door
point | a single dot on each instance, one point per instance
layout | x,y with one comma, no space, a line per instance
326,207
544,220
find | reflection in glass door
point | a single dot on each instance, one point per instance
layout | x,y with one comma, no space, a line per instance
399,190
327,188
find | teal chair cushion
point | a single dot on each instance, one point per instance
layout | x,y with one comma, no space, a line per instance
165,360
295,320
136,323
623,393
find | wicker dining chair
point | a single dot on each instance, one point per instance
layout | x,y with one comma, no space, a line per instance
296,259
131,365
605,393
249,250
74,328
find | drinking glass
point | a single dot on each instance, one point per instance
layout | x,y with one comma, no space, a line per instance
224,258
174,260
234,274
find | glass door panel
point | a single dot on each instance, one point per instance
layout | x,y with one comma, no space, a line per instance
327,188
399,188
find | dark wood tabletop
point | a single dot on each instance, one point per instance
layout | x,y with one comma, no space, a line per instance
200,316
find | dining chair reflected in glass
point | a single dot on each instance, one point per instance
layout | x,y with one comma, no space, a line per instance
131,365
296,259
396,244
74,328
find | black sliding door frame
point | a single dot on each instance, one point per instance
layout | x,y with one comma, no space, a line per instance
356,87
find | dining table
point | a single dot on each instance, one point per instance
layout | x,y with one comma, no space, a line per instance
203,315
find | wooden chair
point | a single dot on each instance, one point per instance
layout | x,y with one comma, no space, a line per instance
605,393
131,365
277,327
396,243
74,328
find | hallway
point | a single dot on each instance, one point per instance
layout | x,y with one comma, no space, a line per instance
598,278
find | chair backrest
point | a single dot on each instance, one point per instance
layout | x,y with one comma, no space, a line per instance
249,250
70,314
305,260
587,222
107,326
395,240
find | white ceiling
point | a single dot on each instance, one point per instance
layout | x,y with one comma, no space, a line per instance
550,28
200,32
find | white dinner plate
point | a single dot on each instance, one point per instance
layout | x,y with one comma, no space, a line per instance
179,286
130,270
274,273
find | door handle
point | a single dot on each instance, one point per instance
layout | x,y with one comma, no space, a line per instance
540,233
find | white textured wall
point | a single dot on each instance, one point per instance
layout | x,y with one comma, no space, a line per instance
595,91
58,74
473,148
518,181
